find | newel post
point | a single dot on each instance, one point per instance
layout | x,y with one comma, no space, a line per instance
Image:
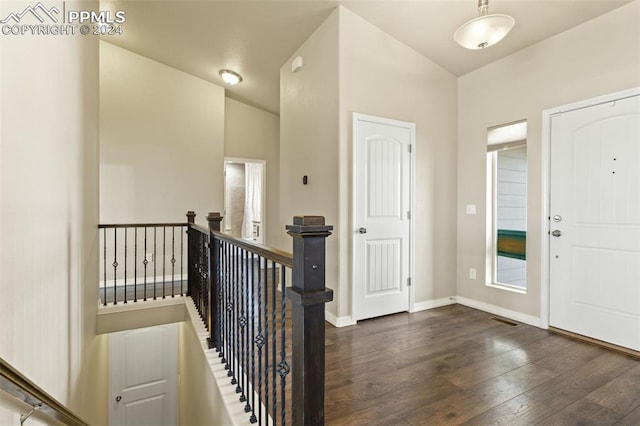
191,219
214,220
308,296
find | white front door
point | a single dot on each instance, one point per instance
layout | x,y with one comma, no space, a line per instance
382,202
143,370
594,245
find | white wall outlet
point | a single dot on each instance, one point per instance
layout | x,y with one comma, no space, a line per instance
471,209
472,273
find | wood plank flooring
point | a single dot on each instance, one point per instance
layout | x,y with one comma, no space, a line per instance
455,365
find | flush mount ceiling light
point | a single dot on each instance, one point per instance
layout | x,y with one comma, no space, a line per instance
485,30
230,77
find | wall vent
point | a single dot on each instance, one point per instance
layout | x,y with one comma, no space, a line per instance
505,321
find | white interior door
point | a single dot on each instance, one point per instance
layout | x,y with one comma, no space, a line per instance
143,369
382,198
594,246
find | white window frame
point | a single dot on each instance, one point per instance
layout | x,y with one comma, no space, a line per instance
491,255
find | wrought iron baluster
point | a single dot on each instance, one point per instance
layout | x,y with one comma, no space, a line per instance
248,331
104,267
125,265
222,308
274,365
230,309
173,260
236,338
198,280
164,257
259,340
201,282
219,299
253,418
243,326
154,259
223,302
228,306
206,279
115,265
145,262
266,337
283,367
135,264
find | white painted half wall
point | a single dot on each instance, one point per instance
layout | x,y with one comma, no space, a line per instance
598,57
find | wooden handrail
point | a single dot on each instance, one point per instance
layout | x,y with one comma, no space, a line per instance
199,228
142,225
278,256
16,384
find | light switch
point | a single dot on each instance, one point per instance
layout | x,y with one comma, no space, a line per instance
471,209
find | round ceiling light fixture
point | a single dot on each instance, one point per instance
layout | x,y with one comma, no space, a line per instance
230,77
485,30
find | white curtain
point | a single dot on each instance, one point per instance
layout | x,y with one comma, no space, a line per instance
252,199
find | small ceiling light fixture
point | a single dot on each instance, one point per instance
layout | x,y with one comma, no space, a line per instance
230,77
485,30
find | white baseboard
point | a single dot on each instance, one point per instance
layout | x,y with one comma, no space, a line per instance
431,304
497,310
338,321
159,279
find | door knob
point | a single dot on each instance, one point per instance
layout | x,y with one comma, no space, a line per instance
362,230
556,233
118,398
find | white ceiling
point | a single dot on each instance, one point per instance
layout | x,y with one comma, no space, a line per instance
256,37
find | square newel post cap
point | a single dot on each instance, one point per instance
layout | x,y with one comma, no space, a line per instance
191,216
214,219
309,226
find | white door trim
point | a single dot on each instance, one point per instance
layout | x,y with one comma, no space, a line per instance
226,160
412,128
546,185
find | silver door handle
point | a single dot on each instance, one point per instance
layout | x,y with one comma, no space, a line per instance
556,233
118,398
362,230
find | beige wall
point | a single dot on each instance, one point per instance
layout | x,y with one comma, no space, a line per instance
161,141
309,139
595,58
408,87
343,73
252,133
49,217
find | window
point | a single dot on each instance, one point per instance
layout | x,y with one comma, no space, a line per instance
507,206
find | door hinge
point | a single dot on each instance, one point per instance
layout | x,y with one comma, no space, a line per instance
409,282
409,147
408,215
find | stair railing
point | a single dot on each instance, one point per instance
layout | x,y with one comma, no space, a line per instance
20,387
263,329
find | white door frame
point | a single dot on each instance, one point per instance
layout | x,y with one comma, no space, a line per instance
412,175
226,160
546,186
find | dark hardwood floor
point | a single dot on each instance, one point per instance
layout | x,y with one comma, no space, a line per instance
455,365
